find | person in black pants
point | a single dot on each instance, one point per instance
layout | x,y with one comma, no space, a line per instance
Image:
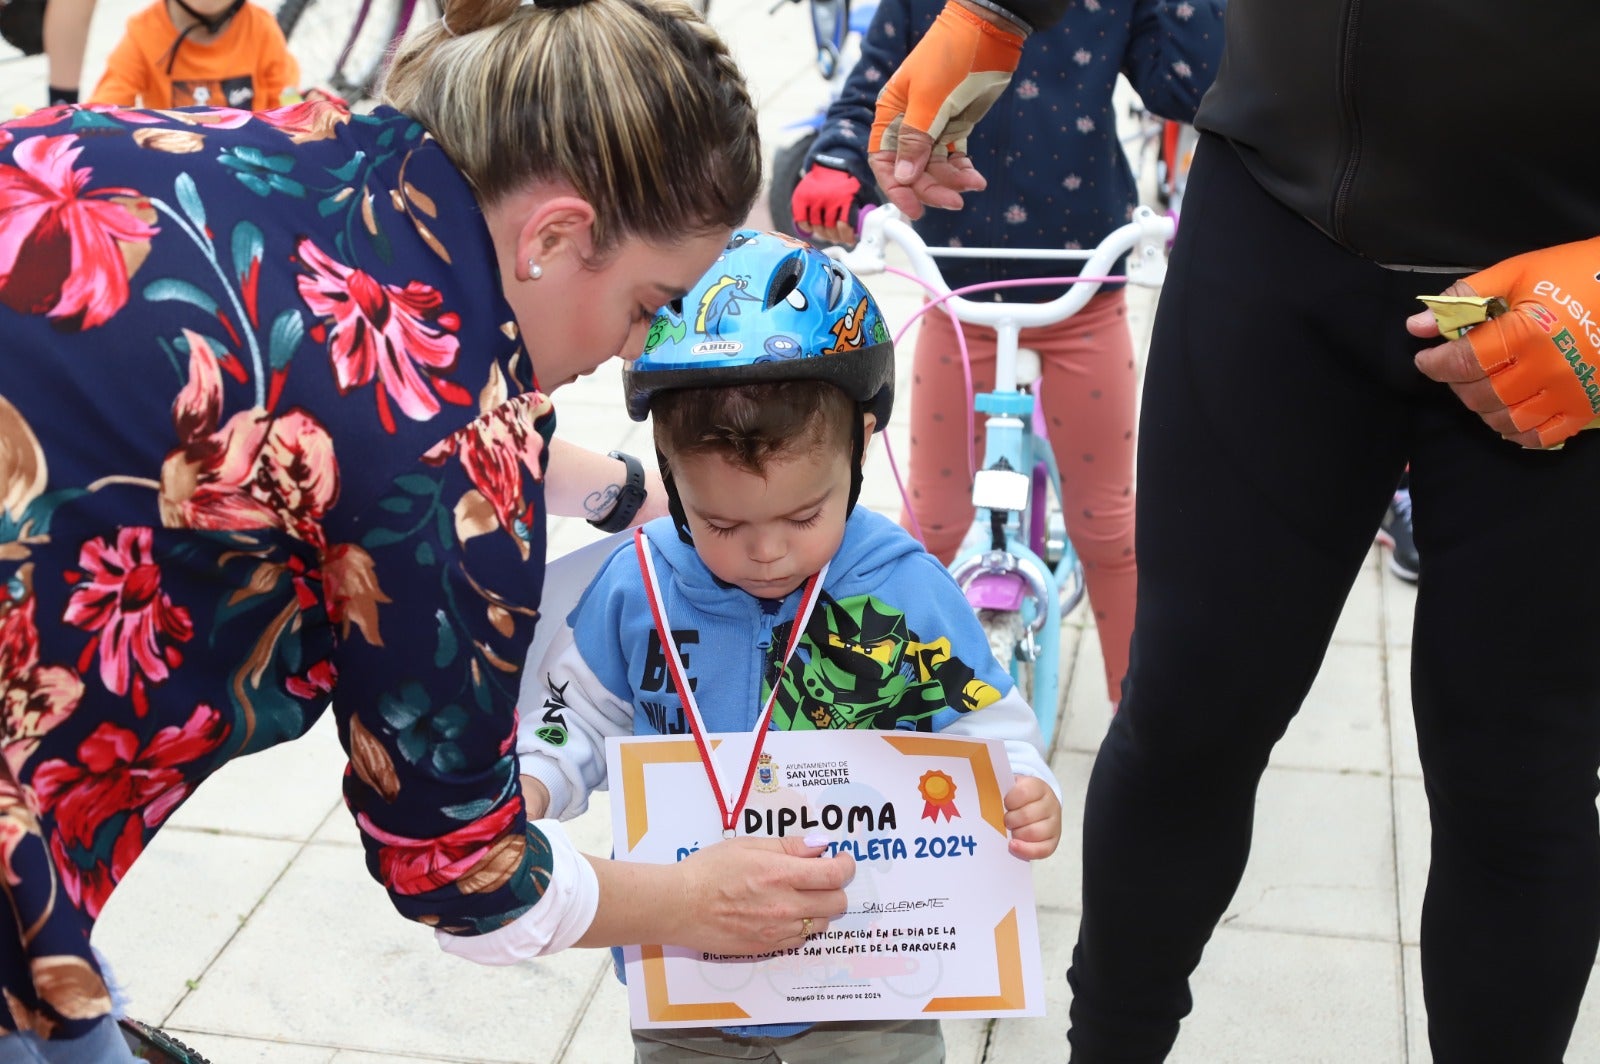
1358,156
1225,648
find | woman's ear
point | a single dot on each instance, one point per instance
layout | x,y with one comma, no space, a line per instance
556,228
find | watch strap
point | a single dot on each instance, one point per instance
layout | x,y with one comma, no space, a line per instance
629,499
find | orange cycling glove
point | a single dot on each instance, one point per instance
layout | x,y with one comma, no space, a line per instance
1543,355
958,69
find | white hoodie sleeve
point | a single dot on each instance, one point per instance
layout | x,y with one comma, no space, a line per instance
1012,720
567,714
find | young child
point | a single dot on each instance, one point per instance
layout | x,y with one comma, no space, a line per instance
763,385
199,53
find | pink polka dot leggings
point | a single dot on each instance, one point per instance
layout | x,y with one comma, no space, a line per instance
1089,399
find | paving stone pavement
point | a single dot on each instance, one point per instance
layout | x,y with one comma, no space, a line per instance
252,930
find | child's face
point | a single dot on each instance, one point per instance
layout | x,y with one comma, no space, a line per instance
765,535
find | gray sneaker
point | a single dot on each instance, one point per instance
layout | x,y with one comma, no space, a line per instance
1394,532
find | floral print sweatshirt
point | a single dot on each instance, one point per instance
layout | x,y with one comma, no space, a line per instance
268,438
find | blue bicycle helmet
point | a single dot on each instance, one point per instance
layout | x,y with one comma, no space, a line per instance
771,308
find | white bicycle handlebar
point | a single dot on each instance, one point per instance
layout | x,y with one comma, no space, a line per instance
1144,240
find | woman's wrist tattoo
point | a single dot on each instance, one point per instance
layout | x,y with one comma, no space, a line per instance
599,503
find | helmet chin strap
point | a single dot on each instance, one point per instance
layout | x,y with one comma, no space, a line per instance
210,23
858,448
680,520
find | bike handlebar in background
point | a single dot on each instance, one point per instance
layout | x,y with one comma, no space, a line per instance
1144,240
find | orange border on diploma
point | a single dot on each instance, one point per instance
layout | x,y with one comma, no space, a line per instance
655,994
634,757
991,806
1008,960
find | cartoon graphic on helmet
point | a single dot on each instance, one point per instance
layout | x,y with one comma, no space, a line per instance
783,347
665,328
771,308
719,301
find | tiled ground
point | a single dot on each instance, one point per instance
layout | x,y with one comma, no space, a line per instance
252,928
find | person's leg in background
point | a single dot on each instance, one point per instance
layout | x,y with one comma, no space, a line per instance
66,38
1506,695
1090,397
1273,404
939,470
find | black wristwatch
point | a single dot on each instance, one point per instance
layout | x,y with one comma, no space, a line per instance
629,499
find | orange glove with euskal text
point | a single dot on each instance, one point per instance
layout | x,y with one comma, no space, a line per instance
948,81
1542,355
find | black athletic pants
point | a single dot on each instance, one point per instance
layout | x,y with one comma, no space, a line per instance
1280,406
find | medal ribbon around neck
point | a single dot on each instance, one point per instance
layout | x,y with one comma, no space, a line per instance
727,804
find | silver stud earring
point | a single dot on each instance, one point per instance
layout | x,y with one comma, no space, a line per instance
535,271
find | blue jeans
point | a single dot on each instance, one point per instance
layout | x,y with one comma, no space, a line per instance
103,1045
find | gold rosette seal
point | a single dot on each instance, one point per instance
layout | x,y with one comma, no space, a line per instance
938,792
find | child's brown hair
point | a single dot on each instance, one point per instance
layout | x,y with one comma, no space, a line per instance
753,425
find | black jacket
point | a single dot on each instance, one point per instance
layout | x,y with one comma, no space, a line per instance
1414,132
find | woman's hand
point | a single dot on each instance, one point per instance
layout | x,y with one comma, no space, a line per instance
756,895
737,897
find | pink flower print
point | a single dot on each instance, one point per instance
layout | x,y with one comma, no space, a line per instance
1027,89
1015,214
872,74
257,471
34,698
496,449
113,776
1073,245
1085,124
119,597
1184,11
1181,69
889,30
1072,182
65,253
1082,56
1091,5
383,332
19,819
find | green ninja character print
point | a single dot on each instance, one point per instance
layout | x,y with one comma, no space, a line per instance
860,666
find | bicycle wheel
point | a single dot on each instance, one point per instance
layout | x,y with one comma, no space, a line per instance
152,1043
341,45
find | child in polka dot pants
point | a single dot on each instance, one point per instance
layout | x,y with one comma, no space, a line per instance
1058,178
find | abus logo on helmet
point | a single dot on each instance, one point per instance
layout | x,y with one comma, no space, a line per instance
717,347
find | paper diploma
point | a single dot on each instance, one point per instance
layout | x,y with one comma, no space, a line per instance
941,920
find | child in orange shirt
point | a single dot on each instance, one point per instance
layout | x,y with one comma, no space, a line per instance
199,53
